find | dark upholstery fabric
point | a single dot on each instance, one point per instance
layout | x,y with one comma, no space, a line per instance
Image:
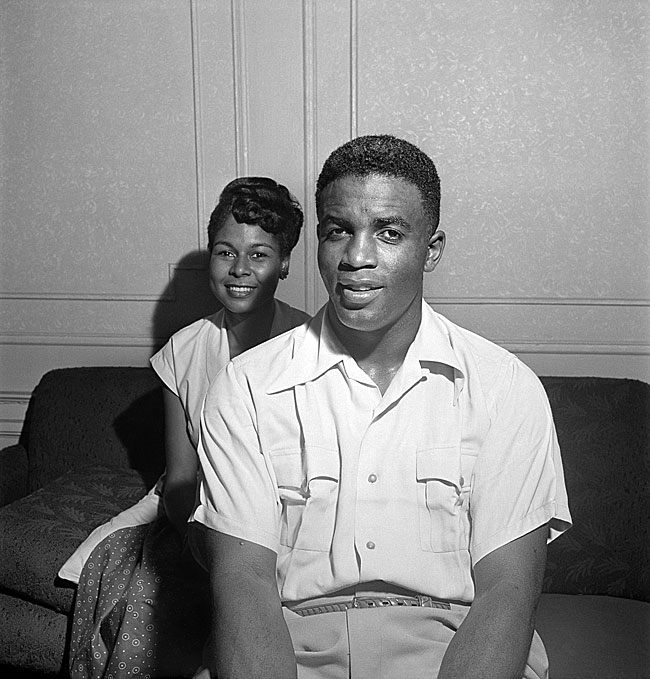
81,416
31,637
13,474
39,532
604,432
590,637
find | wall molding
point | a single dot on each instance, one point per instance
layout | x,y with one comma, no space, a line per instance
13,403
11,429
168,296
310,158
20,398
512,344
312,281
240,81
354,68
54,339
198,124
545,301
86,296
582,348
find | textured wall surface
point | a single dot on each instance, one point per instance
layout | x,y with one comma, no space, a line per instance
121,121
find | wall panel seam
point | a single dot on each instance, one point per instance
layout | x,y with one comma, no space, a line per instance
198,123
310,122
240,80
354,69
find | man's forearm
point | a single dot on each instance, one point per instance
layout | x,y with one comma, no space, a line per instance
249,638
494,640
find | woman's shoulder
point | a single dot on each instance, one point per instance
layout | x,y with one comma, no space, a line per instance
288,317
203,326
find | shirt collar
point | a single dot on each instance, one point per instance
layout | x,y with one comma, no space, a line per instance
320,350
314,354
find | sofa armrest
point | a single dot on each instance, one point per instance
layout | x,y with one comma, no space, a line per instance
13,474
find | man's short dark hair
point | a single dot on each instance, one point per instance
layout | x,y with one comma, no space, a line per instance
386,155
263,202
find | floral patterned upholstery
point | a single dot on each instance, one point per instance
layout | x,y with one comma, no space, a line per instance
39,532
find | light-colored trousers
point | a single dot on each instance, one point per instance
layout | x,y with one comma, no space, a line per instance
384,643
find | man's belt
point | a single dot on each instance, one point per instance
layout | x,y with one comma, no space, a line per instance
372,602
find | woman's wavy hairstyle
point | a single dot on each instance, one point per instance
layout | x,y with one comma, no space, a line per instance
260,201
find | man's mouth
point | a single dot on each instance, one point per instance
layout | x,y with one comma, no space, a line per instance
359,293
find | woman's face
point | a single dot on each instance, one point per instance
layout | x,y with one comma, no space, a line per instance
245,266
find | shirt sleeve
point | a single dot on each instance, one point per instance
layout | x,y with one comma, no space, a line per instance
518,480
163,363
237,492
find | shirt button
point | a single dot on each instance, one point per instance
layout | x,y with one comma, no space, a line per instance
370,544
372,478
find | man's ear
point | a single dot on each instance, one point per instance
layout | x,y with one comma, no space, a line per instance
435,247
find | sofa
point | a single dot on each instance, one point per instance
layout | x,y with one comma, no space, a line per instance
92,444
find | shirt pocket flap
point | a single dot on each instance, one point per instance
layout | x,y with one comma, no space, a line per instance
322,463
442,464
288,470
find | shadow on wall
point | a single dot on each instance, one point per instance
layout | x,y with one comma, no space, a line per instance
186,298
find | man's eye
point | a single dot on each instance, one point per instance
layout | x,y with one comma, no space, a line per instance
391,235
334,233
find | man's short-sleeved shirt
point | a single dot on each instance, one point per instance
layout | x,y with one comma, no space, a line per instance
196,353
306,457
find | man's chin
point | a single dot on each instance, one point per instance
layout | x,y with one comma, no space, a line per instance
357,319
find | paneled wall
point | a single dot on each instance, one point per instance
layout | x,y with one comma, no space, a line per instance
121,121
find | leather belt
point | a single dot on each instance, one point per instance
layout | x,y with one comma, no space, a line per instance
372,602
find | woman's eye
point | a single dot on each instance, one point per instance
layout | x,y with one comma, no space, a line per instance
259,255
224,253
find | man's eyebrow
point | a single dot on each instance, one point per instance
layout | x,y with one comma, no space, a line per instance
341,221
396,220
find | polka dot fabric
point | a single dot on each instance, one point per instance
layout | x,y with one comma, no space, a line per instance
141,607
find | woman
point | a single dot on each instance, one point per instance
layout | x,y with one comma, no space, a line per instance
140,607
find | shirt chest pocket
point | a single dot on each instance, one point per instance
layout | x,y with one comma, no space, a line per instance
308,485
443,486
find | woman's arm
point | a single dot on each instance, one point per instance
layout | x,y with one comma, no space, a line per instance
494,640
249,638
182,463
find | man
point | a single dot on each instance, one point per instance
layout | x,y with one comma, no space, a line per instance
379,484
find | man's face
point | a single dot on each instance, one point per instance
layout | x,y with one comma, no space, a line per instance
374,246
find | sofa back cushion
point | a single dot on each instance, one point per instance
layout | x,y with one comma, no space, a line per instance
603,427
83,416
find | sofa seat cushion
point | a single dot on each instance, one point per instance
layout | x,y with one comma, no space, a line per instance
32,638
39,532
595,637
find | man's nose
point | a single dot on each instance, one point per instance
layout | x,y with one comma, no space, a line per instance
361,252
240,266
